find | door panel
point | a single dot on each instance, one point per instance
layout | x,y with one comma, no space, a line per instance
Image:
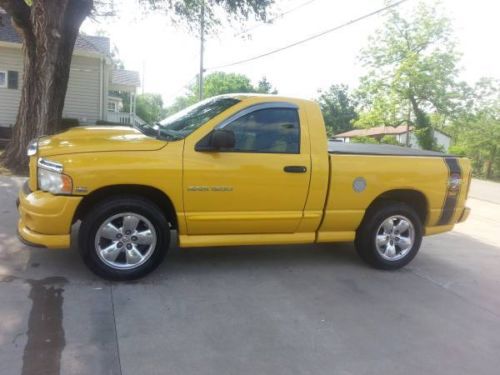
247,192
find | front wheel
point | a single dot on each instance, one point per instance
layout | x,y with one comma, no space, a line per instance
124,238
389,236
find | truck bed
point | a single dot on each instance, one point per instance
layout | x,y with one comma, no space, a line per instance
381,149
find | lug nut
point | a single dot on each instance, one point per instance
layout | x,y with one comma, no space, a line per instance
119,235
129,247
127,232
119,244
134,238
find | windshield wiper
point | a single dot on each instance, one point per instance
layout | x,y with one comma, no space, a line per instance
162,133
145,129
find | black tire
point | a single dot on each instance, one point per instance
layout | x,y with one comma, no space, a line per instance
369,229
115,206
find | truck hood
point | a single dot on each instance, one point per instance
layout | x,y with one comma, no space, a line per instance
97,139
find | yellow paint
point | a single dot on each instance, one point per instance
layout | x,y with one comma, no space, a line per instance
98,138
246,198
245,239
45,213
260,188
345,207
52,241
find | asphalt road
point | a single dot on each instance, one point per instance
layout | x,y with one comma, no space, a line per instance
257,310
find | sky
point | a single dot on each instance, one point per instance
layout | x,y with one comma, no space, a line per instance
167,55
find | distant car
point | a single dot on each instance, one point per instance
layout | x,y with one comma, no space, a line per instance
234,170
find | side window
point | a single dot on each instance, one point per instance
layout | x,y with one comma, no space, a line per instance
271,130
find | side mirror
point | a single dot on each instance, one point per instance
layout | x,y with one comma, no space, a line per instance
216,140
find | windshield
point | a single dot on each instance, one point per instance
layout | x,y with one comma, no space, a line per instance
183,123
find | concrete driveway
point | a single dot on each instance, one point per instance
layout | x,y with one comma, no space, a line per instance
257,310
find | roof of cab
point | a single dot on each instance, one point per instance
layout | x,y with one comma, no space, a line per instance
245,96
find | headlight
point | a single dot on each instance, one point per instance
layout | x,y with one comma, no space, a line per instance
32,147
51,178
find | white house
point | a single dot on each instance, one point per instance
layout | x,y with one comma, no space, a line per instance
400,132
93,80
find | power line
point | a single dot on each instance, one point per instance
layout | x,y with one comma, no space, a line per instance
272,52
246,31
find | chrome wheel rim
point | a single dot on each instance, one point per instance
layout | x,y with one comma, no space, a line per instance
125,241
395,237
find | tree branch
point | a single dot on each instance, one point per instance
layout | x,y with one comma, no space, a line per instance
19,11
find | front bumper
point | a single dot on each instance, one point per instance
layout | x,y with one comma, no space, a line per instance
45,219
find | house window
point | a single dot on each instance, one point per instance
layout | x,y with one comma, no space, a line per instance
12,80
3,78
9,79
112,106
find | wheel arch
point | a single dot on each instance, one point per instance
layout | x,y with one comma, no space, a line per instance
156,196
413,198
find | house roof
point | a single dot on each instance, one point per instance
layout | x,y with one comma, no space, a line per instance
125,78
371,132
85,43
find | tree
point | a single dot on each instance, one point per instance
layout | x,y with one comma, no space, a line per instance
339,109
412,64
477,129
265,87
219,83
49,30
149,107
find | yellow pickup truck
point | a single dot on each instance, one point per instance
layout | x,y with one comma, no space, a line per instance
234,170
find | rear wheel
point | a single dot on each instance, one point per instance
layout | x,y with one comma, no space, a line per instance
389,236
124,238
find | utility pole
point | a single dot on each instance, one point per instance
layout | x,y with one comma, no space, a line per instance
408,125
202,48
143,75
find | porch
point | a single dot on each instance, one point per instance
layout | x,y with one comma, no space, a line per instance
121,101
125,118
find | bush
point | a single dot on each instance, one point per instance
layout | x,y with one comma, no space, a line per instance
363,140
457,150
5,132
68,123
390,140
104,122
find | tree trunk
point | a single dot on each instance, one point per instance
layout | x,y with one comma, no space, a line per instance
490,161
49,35
423,129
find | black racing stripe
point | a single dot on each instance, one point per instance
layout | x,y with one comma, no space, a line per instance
450,202
453,165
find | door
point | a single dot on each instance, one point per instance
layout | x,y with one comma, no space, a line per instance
258,186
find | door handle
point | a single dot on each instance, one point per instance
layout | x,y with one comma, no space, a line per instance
295,169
